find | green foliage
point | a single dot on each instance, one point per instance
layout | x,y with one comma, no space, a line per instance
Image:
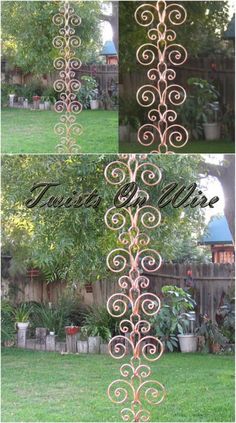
201,34
22,313
28,31
69,310
211,332
72,244
98,322
199,106
8,329
172,318
227,321
50,317
88,91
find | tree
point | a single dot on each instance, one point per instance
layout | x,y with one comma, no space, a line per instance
28,31
225,173
112,18
200,34
72,244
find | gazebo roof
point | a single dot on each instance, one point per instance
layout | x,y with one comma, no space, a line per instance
217,232
109,49
229,34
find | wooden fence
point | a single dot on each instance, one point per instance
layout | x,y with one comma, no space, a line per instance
106,76
211,281
223,73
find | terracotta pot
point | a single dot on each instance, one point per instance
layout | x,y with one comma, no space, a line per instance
72,330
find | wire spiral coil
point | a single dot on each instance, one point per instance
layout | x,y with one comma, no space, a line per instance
134,305
67,85
161,94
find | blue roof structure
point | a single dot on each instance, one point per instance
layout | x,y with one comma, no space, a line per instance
217,232
229,34
109,49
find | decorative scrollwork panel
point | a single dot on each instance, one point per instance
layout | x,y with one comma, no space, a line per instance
133,305
67,42
162,95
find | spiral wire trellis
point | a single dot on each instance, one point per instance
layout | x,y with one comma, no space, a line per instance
161,94
67,85
134,304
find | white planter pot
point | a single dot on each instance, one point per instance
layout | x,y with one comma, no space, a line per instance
94,104
51,333
124,133
22,326
94,344
82,347
188,343
41,106
11,100
47,105
211,131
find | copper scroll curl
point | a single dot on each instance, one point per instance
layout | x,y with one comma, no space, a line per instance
161,94
133,304
67,85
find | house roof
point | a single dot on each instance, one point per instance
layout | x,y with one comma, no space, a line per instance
229,34
109,49
217,232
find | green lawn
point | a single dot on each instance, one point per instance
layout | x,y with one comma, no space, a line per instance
26,131
48,387
201,146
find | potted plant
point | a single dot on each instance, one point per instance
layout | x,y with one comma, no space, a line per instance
176,315
214,338
97,326
187,339
50,317
199,113
94,100
211,126
88,93
22,315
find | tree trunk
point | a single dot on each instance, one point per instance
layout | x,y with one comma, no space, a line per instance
225,173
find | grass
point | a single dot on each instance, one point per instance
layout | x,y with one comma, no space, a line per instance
199,146
26,131
48,387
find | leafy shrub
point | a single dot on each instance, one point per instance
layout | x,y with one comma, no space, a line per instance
198,107
8,329
98,322
88,91
171,320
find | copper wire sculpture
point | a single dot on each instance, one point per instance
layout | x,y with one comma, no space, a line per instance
161,94
67,85
134,304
